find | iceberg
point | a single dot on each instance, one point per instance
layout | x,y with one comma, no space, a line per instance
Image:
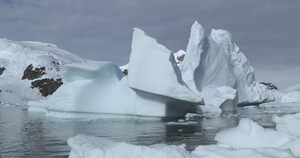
215,60
101,88
155,83
91,87
156,79
286,96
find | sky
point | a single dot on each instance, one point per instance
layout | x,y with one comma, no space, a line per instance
266,31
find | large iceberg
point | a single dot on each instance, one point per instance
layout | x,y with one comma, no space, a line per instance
212,70
156,79
101,89
216,60
91,87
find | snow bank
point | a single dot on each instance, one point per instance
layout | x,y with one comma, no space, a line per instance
84,146
249,134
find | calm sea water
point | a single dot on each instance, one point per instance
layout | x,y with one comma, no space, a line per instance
31,134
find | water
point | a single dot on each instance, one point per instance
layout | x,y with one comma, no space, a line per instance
31,134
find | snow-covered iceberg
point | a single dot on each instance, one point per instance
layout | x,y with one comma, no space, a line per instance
156,82
286,96
156,79
91,87
101,88
216,61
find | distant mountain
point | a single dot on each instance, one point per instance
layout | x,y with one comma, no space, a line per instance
31,70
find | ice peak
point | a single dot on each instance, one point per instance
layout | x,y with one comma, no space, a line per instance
220,35
140,34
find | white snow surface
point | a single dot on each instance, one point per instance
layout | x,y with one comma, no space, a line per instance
247,139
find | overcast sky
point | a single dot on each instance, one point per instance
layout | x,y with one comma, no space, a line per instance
267,31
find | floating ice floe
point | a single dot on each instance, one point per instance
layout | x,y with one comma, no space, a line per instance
247,139
84,146
249,134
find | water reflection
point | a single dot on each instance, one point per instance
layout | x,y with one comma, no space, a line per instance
27,134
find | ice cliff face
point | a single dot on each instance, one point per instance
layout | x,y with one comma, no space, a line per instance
156,79
216,60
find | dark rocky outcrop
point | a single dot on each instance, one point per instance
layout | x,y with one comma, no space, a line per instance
269,85
47,86
31,73
125,72
2,69
181,57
